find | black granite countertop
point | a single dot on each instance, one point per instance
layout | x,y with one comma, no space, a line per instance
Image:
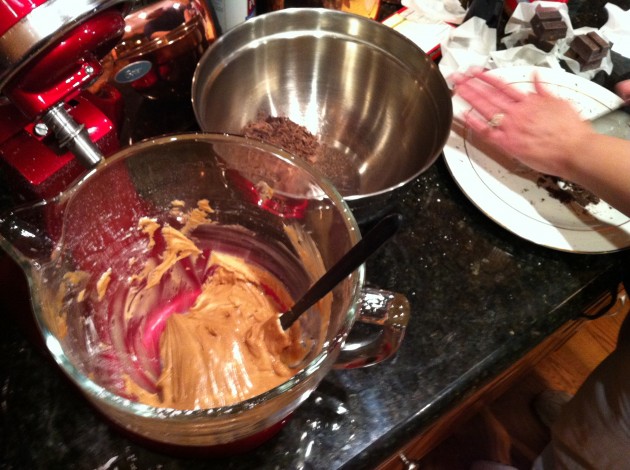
481,298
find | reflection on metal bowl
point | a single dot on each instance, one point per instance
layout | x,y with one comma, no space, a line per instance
161,47
367,8
362,89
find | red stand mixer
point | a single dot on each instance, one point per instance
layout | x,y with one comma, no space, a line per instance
61,111
51,129
55,121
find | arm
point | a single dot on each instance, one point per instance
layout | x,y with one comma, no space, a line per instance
545,133
603,167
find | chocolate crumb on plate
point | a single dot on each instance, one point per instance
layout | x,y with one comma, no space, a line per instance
566,191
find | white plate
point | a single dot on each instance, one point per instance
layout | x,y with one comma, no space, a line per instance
507,192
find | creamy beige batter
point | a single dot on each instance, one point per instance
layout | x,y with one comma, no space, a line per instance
228,347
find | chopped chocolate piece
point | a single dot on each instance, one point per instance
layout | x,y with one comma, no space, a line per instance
286,134
547,26
600,41
542,45
566,191
340,168
590,65
586,48
548,13
589,50
584,66
548,30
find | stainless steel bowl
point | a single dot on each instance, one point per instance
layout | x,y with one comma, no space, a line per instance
359,86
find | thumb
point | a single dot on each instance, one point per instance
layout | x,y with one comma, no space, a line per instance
623,90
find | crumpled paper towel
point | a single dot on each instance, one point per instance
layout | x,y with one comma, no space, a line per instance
518,28
523,55
468,45
617,29
563,47
449,11
474,44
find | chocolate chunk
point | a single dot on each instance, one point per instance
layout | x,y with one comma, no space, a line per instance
548,25
589,50
548,30
545,46
566,191
585,48
296,139
584,66
286,134
600,41
590,65
548,13
571,54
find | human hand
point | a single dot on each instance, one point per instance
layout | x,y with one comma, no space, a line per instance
623,90
542,131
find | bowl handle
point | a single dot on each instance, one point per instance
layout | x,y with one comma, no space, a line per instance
386,315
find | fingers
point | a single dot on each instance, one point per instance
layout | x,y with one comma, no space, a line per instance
480,98
490,84
623,90
487,94
504,93
476,124
501,87
539,87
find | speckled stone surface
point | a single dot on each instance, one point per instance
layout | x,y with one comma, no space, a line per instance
481,298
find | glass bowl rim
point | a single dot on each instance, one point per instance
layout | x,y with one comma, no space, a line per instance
129,406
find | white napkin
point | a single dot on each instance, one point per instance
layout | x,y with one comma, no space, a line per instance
449,11
518,28
617,29
473,43
468,45
524,55
606,64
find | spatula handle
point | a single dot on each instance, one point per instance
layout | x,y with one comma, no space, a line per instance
347,264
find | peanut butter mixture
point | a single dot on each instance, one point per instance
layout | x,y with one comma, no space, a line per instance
227,347
222,345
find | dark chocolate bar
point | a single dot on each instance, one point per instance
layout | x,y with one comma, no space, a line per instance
542,45
589,50
584,66
586,48
601,42
590,65
548,13
549,30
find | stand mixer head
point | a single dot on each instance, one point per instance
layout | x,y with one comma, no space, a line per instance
60,112
51,129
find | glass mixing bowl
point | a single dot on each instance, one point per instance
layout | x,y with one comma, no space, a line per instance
265,206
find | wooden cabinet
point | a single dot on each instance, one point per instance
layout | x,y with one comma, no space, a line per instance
608,305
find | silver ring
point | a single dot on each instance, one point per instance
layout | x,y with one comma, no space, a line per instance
496,120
